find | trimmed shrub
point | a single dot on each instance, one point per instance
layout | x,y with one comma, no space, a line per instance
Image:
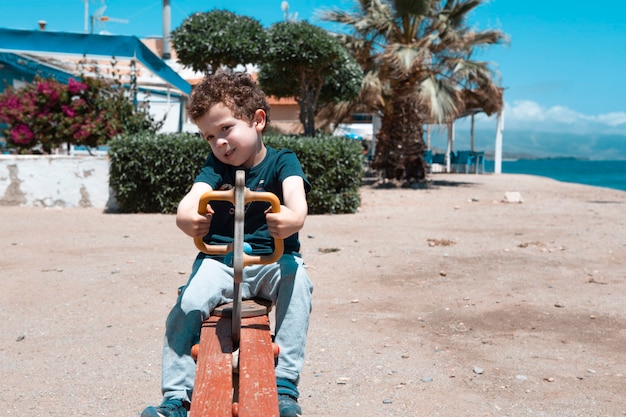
151,173
333,165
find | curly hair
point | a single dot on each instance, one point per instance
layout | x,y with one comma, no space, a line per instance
236,90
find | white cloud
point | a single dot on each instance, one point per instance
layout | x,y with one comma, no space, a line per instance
611,119
530,115
524,110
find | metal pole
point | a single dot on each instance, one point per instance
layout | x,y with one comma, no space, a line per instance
497,168
472,133
167,28
450,146
240,188
86,18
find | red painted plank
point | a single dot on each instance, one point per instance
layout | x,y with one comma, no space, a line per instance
212,394
257,380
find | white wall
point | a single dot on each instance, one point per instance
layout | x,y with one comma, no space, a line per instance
55,181
168,109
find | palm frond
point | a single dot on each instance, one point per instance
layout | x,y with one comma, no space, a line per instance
441,98
401,59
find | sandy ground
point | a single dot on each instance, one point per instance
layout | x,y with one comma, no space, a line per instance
438,302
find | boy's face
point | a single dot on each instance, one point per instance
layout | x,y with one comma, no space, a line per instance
233,141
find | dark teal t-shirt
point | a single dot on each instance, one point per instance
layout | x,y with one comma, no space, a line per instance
266,176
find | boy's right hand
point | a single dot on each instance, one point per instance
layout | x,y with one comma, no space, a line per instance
196,225
187,217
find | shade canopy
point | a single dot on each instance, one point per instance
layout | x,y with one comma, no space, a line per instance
82,44
26,65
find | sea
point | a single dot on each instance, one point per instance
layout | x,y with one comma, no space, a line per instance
607,174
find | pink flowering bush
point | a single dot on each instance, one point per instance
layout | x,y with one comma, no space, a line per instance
49,113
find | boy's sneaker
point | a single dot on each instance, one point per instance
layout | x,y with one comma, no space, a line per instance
288,406
169,408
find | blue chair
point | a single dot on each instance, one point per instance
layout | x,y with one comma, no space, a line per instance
479,162
439,158
428,156
428,159
461,161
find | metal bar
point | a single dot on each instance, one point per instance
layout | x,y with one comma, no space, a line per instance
240,188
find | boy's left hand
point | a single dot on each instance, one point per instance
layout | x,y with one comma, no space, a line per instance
284,224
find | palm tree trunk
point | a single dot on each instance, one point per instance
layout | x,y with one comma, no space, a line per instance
400,142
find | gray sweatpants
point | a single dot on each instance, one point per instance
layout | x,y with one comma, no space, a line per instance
284,282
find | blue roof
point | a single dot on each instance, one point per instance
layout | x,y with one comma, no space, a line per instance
130,47
23,64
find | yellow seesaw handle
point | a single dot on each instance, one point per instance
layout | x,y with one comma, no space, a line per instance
249,196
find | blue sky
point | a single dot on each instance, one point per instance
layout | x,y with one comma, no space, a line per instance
563,69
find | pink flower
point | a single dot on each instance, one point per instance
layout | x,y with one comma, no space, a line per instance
12,102
79,103
68,111
47,88
10,108
76,87
81,135
21,134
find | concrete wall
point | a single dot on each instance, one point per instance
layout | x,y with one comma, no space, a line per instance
55,181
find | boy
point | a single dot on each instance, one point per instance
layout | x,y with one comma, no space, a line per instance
231,113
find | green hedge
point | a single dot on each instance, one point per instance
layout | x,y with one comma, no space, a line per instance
150,174
333,165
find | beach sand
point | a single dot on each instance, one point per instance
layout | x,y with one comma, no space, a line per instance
439,302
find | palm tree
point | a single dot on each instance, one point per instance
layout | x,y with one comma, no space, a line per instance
417,56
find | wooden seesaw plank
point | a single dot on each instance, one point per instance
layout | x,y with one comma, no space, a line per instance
258,395
212,394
